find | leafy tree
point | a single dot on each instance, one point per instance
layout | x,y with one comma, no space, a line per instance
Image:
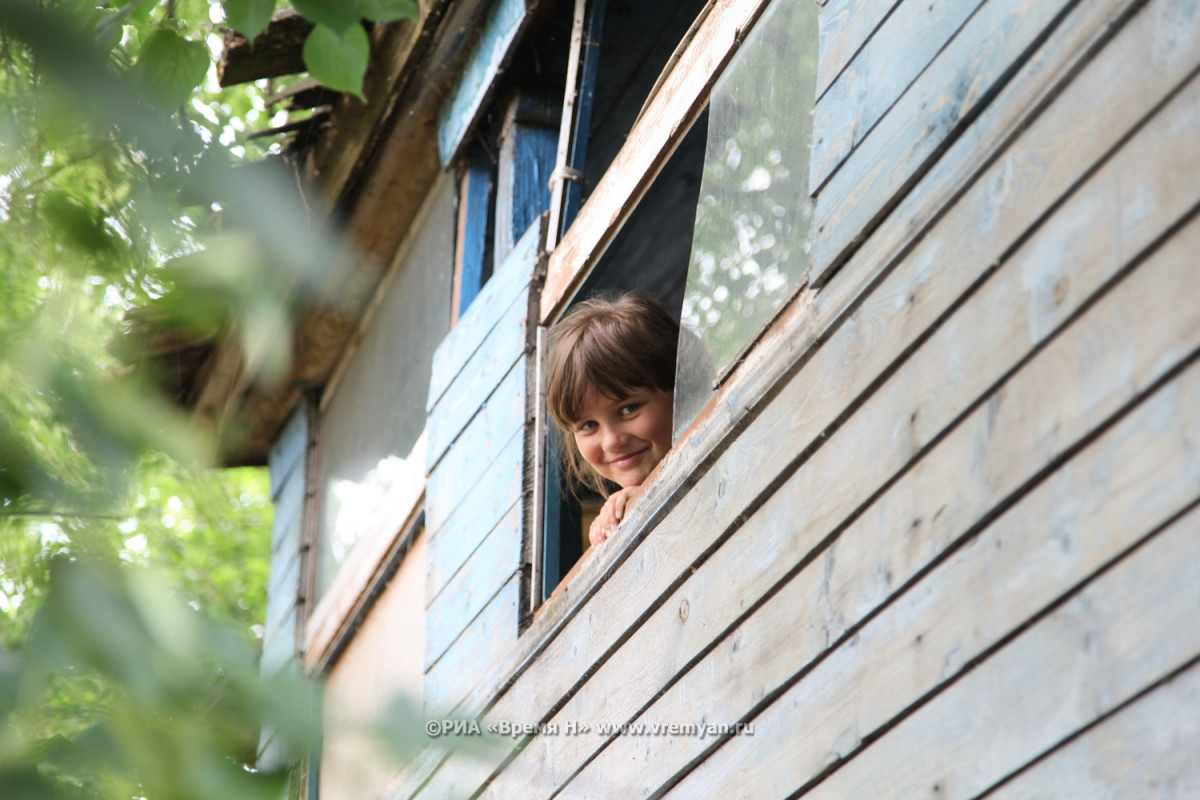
116,156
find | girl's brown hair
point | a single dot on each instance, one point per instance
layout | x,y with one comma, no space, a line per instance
616,345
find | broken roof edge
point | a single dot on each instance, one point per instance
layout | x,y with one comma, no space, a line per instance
375,163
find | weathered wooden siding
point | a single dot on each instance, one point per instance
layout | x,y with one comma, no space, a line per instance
479,416
951,553
287,462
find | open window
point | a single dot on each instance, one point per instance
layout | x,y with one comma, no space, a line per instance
707,208
649,254
622,48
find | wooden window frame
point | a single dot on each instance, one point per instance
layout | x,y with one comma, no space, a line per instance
676,102
674,105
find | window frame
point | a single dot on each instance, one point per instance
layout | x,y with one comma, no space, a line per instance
677,101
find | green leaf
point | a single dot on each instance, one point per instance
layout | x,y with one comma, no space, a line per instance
338,62
249,17
388,10
171,67
337,15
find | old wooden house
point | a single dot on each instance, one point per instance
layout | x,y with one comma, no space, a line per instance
929,524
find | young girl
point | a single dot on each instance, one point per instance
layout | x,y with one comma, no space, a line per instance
610,391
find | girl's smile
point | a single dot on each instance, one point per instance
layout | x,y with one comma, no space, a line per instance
624,438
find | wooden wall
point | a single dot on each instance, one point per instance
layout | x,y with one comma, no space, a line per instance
950,552
479,423
379,670
287,462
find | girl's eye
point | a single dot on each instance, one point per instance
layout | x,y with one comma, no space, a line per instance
586,426
629,408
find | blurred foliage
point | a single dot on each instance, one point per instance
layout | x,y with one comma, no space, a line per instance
123,690
208,530
131,574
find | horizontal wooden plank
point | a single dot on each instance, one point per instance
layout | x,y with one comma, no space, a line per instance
471,389
478,446
964,78
1130,628
1020,113
845,27
1054,538
841,369
489,503
497,40
662,126
1146,750
508,282
898,51
477,581
485,641
792,522
456,551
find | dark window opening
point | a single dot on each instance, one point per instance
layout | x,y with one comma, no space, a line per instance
650,254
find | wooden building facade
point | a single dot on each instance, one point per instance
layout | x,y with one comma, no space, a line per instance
929,527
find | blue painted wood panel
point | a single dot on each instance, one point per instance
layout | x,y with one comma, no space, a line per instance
476,325
472,388
289,449
485,642
474,256
496,560
527,154
286,462
497,40
289,506
279,646
484,505
454,551
478,446
283,589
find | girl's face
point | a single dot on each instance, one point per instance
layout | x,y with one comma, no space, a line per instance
624,438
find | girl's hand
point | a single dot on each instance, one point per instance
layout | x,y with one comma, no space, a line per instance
612,513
